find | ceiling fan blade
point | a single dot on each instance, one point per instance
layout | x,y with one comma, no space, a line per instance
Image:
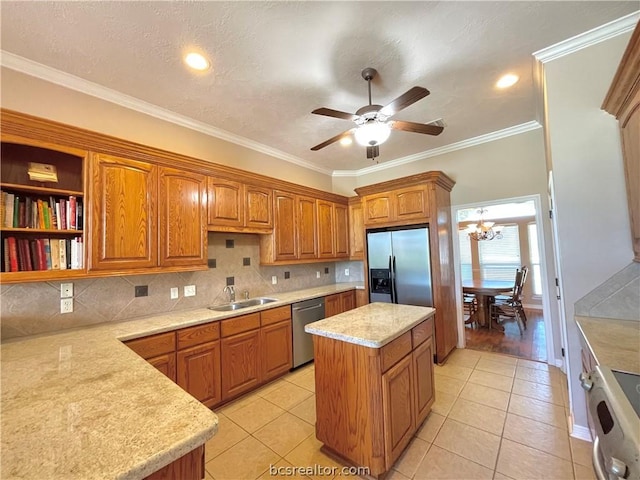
416,127
328,112
340,136
403,101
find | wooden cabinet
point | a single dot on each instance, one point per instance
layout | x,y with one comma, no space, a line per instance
145,216
326,240
388,392
238,207
281,245
341,230
339,303
159,350
187,467
307,220
623,101
400,205
183,231
199,362
417,200
35,226
276,342
356,229
362,297
241,358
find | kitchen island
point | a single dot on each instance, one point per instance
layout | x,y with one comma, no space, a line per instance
374,381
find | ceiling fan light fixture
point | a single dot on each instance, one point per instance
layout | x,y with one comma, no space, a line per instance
197,61
507,80
346,141
372,133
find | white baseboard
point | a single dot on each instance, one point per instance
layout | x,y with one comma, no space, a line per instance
583,433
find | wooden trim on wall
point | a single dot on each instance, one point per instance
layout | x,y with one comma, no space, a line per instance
627,78
437,177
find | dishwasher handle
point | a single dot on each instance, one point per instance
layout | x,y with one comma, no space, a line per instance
304,309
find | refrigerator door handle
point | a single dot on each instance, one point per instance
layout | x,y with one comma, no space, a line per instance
394,292
393,300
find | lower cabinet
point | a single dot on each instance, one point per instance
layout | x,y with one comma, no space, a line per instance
166,364
187,467
398,408
241,360
339,303
199,372
159,350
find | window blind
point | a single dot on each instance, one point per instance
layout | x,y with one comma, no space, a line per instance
500,258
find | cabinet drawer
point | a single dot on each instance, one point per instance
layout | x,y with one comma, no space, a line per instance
154,345
421,332
275,315
394,351
236,325
189,337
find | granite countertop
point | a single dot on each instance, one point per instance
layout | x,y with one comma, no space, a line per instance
613,343
80,404
373,325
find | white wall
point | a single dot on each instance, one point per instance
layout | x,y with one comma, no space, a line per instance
37,97
592,220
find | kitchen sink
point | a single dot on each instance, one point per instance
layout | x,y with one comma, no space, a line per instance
251,302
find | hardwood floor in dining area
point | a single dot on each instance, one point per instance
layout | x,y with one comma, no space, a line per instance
531,345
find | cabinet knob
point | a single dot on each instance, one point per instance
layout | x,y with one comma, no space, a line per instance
585,381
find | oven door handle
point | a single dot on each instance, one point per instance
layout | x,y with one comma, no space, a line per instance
597,463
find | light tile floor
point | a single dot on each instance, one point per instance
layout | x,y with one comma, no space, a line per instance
495,417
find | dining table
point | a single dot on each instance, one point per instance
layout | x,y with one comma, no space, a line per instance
485,291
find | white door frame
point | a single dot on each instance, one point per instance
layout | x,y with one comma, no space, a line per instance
546,294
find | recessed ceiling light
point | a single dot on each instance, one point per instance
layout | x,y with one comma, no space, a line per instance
197,61
507,80
346,141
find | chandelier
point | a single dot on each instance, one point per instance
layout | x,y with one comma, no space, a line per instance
484,230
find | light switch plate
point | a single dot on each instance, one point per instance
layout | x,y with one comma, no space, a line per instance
346,272
318,274
190,291
66,290
174,293
274,280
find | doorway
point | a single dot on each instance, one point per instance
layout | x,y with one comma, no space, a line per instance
516,240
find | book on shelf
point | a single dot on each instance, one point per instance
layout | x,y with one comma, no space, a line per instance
6,266
13,254
71,218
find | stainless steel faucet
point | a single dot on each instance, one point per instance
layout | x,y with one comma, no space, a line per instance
231,292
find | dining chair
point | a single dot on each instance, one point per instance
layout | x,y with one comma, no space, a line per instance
510,306
470,306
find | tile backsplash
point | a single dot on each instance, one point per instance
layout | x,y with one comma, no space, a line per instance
32,308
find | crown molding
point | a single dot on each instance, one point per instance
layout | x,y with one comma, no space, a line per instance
591,37
58,77
489,137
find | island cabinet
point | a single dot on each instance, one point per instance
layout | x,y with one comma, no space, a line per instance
417,200
145,216
372,394
239,207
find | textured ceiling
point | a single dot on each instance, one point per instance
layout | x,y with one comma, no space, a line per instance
274,62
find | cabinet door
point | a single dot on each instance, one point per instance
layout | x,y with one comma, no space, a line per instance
356,231
258,207
183,231
411,203
347,301
399,421
423,396
325,229
199,372
307,221
630,129
341,230
240,363
332,305
123,221
166,364
225,203
285,226
276,344
378,208
362,297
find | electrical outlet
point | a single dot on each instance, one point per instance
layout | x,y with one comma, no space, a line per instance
66,290
174,293
66,305
190,291
318,274
346,272
274,279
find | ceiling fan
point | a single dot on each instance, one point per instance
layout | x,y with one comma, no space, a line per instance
373,124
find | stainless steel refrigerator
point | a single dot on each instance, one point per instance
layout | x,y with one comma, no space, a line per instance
400,266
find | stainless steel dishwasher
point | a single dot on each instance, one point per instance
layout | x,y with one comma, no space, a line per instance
304,313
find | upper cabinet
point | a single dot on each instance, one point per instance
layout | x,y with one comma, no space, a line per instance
238,207
623,101
42,210
145,216
124,231
183,230
356,229
396,206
